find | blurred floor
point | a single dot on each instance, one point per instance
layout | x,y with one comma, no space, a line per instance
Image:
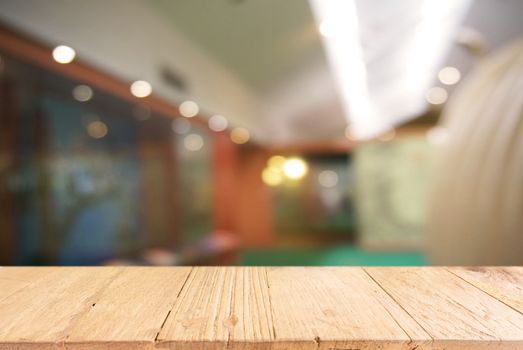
335,256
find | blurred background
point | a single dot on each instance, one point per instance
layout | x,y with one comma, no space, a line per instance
261,132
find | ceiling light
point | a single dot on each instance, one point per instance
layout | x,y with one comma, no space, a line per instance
436,95
217,123
193,142
449,75
63,54
97,129
328,178
240,135
276,162
189,109
82,93
295,168
271,177
141,88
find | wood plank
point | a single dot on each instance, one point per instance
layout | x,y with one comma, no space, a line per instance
451,310
337,308
503,283
221,307
40,315
14,279
257,308
130,312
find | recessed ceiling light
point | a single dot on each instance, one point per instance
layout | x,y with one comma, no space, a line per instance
436,95
97,129
449,75
217,123
82,93
240,135
193,142
189,109
141,88
63,54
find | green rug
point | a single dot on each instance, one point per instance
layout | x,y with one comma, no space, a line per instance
337,256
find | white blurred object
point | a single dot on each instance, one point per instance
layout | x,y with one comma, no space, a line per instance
477,203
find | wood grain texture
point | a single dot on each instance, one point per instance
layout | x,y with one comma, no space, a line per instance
132,311
15,278
260,308
503,283
219,308
41,314
337,308
450,310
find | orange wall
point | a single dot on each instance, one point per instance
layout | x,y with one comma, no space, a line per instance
242,202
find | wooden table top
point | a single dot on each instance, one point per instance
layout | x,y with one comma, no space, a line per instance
261,308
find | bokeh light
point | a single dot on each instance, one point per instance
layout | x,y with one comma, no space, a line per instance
240,135
218,123
295,168
276,162
97,129
449,75
436,95
328,178
189,109
141,88
193,142
272,177
82,93
63,54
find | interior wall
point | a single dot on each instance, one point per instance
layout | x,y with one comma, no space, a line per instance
392,189
136,48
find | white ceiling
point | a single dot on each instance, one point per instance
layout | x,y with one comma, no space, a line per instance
261,63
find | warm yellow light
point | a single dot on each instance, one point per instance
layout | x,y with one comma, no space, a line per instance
189,109
276,162
193,142
63,54
141,88
82,93
217,123
97,129
272,177
328,178
449,75
436,95
240,135
295,168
